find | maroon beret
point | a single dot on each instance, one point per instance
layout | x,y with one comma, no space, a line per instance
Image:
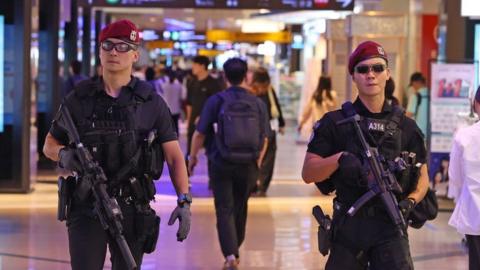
123,29
364,51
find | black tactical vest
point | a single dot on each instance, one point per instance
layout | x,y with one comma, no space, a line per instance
108,126
385,134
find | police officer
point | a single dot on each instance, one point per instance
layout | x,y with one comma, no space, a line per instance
113,115
369,238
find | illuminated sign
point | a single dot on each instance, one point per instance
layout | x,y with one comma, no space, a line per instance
228,4
223,35
1,73
470,8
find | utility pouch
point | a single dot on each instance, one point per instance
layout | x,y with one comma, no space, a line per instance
153,154
324,230
83,189
66,187
155,160
136,188
149,188
148,228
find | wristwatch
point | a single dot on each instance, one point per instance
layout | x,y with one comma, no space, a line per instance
184,198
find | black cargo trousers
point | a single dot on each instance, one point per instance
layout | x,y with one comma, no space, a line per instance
368,240
88,240
231,185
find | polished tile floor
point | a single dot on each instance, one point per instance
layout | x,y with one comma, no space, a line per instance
281,234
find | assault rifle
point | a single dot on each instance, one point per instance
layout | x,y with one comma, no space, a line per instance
381,181
106,208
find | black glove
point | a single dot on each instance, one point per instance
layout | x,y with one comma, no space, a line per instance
183,214
351,168
349,162
69,160
406,206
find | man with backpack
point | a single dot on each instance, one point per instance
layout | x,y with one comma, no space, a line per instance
234,125
417,107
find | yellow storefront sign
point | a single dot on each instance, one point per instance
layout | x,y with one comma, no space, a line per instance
223,35
209,53
159,44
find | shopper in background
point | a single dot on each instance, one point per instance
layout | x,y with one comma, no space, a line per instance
199,90
389,90
172,94
464,185
262,87
323,100
98,72
74,78
417,107
150,78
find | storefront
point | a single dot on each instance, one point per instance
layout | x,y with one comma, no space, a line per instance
17,93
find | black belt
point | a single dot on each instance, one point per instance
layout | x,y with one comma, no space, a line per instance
364,211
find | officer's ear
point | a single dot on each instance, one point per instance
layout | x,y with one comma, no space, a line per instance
136,56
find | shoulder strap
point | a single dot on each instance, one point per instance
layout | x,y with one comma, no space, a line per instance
348,111
393,122
419,101
85,91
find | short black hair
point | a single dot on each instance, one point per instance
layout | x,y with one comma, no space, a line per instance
261,76
235,70
76,67
417,77
150,74
202,60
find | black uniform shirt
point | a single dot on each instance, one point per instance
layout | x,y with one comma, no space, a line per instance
327,138
198,92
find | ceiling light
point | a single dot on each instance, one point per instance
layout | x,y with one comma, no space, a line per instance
179,24
261,26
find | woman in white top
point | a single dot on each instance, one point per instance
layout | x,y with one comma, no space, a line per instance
172,94
323,100
464,185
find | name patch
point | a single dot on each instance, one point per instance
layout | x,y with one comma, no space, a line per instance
376,125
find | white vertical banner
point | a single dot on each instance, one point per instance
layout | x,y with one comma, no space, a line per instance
450,89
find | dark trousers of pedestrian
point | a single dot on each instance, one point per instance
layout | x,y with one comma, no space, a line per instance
88,240
231,185
268,163
376,238
473,242
190,131
175,118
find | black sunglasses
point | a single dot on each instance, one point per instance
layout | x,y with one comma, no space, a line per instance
364,69
119,47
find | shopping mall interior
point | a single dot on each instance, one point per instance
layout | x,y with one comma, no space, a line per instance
297,42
